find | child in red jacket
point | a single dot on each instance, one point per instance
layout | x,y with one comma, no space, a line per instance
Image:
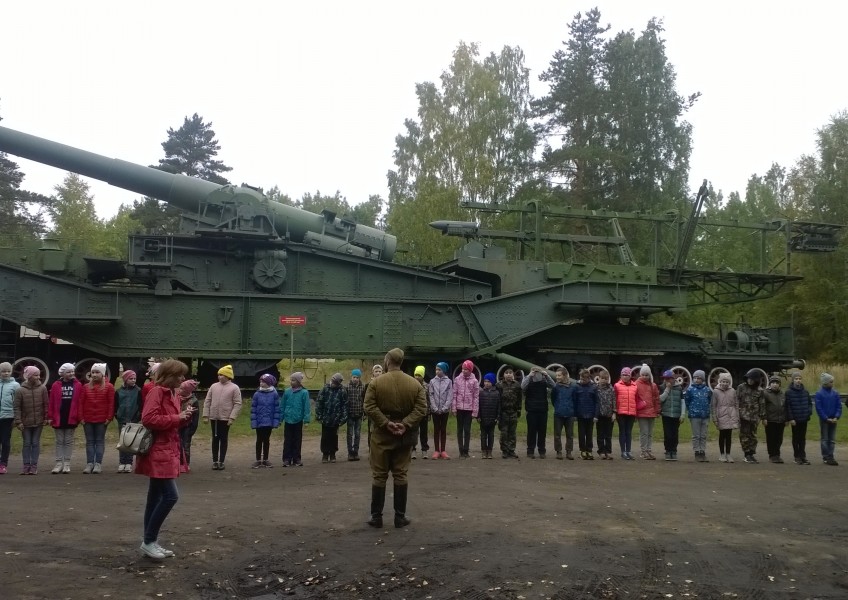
97,408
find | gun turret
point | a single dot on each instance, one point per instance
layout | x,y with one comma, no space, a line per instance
211,208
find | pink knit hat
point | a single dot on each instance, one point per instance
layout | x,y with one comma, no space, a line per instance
126,374
30,371
187,388
626,371
468,365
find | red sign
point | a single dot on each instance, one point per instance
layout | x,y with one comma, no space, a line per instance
293,320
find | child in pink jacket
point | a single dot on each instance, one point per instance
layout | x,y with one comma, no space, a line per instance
466,402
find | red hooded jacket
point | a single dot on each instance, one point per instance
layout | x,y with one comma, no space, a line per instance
161,414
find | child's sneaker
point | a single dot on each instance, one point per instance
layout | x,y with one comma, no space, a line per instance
98,468
256,464
58,468
2,469
24,470
267,464
729,459
445,455
165,551
33,469
436,455
88,468
66,469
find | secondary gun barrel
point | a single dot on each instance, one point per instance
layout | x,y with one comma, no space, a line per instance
184,192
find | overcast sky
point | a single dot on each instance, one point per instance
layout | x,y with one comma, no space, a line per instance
310,95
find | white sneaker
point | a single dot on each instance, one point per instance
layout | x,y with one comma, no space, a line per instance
88,468
165,551
66,469
152,550
97,468
729,458
58,468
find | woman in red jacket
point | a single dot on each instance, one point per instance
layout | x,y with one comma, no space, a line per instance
162,415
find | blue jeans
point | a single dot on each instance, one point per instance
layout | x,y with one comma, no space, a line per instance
162,495
95,441
828,438
354,427
625,432
32,444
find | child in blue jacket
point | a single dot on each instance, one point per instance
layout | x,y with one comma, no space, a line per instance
698,397
264,417
829,409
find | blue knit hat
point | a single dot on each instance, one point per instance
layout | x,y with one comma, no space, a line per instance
443,366
490,377
356,373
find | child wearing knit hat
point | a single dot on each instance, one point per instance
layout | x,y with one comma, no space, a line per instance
424,425
30,417
97,409
295,412
127,410
440,399
264,417
188,398
829,410
8,385
221,408
331,412
466,397
488,413
355,411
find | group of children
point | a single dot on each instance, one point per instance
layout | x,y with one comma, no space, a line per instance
594,405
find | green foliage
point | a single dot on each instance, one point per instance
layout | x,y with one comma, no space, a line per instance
471,142
113,242
614,106
153,215
75,221
23,211
191,150
365,213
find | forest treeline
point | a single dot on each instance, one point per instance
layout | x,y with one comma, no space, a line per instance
610,132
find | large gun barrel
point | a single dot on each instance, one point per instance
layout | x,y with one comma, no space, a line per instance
190,193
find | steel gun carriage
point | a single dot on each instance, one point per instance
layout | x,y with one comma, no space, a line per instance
216,291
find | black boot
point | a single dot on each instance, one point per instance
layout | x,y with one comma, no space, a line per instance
400,506
378,499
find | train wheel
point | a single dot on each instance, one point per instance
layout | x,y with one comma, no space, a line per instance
635,373
763,377
682,376
595,373
477,372
83,367
30,361
519,374
554,366
712,378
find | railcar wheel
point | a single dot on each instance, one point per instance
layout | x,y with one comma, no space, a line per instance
554,366
83,367
30,361
519,374
682,376
712,378
595,373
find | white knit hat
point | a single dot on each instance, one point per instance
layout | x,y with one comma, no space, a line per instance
99,367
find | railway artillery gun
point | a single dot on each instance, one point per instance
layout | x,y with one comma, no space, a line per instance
223,289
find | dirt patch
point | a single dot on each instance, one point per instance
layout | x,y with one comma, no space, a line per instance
481,529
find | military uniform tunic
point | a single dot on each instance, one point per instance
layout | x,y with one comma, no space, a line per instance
393,396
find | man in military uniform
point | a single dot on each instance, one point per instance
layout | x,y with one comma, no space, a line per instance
511,396
395,403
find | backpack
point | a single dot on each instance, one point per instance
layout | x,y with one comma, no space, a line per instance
135,438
